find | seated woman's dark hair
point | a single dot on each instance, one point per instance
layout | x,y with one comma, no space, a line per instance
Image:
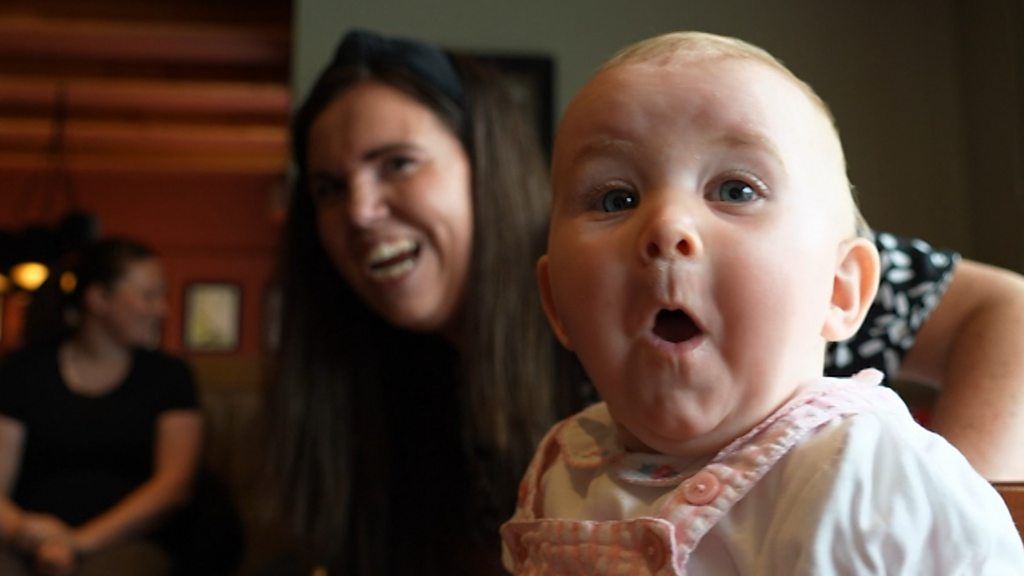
58,305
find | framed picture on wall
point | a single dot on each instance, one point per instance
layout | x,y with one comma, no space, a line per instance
213,313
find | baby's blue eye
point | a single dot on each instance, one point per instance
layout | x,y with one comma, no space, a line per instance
618,200
735,192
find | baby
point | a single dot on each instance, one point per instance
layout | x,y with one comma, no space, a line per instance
702,251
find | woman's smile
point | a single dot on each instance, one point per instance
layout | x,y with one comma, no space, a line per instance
393,204
388,261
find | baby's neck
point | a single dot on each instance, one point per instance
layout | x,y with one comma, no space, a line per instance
631,443
704,446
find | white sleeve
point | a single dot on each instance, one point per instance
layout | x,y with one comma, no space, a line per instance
879,495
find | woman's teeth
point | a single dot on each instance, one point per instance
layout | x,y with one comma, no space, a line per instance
389,260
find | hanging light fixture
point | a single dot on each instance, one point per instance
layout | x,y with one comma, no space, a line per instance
29,253
68,282
26,255
29,275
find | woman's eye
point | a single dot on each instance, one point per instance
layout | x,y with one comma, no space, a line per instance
618,200
398,165
735,192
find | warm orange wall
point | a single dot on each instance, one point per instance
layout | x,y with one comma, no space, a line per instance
209,227
13,309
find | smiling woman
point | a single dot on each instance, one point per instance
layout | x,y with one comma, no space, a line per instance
391,185
416,369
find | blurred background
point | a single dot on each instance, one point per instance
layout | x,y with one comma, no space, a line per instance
166,121
927,94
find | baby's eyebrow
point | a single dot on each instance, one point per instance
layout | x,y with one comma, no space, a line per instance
603,145
595,148
750,140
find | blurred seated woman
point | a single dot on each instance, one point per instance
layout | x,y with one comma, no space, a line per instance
100,433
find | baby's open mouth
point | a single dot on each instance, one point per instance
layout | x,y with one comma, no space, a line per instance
675,326
392,259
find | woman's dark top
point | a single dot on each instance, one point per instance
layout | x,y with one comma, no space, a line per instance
83,454
914,278
434,525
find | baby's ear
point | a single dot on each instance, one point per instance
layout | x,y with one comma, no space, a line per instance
853,289
544,282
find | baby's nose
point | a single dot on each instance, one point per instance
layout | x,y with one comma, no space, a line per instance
670,236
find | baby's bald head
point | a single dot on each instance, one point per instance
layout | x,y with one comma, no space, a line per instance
688,48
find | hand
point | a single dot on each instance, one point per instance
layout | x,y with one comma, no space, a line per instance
56,557
36,528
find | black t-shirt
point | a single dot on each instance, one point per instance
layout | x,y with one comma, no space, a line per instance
83,454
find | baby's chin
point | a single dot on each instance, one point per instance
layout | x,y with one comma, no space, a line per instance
675,438
631,443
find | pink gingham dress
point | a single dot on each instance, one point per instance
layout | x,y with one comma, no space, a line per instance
662,543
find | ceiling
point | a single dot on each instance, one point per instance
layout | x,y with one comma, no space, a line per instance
179,86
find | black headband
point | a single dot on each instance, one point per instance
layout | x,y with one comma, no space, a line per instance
362,48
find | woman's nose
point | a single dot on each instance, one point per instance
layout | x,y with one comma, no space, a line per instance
669,235
367,203
153,308
161,307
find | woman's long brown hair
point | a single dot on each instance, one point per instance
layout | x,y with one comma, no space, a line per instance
326,405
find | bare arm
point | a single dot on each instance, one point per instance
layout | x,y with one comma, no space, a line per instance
973,347
23,529
176,455
12,443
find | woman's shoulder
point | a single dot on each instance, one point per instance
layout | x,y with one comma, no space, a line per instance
29,359
166,375
26,376
152,359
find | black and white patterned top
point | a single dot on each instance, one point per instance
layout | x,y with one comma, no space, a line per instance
914,276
